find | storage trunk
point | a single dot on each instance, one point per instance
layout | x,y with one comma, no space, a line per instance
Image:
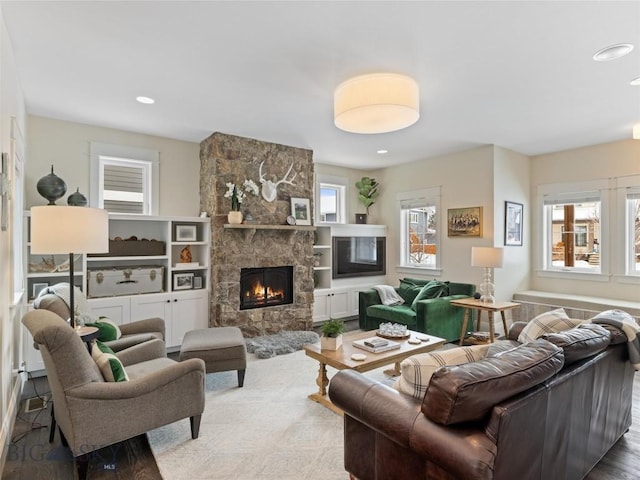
111,282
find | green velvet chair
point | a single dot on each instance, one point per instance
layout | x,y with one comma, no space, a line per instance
433,316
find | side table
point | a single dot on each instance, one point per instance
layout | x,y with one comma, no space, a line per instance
471,303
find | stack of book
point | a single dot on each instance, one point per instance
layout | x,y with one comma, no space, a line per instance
376,344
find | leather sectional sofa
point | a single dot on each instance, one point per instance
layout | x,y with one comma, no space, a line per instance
434,316
548,409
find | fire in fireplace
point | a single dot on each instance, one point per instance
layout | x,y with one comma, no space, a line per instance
266,287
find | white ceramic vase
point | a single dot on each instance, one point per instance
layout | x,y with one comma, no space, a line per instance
235,217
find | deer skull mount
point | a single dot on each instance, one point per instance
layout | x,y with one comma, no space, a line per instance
269,188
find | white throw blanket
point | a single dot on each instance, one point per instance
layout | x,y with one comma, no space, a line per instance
81,306
388,295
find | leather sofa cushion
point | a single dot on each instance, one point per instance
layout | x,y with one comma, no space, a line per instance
468,392
581,342
393,313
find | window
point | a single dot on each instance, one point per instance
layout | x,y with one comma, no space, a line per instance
419,227
573,234
124,179
633,230
331,192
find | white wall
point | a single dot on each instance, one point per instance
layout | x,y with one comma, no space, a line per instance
588,163
466,180
65,145
511,177
11,106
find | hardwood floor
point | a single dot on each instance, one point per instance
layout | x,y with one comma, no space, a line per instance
32,457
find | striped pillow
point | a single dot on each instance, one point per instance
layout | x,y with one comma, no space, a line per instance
548,322
416,371
110,366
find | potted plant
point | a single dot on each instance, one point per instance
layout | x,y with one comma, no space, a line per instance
367,191
332,331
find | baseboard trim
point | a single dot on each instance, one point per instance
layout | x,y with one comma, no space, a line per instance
10,418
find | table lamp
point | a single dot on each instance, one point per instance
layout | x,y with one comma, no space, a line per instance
487,257
70,230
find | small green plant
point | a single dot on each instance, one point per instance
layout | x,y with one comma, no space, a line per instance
367,191
333,328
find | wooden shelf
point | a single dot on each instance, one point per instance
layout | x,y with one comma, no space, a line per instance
250,229
252,226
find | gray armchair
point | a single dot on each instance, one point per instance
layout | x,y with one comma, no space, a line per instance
132,333
92,413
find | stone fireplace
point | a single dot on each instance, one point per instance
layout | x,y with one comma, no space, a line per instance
266,243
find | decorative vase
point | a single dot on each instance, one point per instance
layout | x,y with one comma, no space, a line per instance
51,187
330,343
234,217
77,199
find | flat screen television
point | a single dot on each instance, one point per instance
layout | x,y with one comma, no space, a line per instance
358,256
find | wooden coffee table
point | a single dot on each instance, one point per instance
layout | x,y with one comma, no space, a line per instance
341,359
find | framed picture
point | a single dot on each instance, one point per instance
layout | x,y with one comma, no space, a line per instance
38,287
182,281
464,222
513,224
301,210
186,233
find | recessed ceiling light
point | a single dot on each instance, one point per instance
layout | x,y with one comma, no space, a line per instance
612,52
145,100
635,82
382,151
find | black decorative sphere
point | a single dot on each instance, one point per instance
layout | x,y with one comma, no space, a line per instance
51,187
477,295
77,199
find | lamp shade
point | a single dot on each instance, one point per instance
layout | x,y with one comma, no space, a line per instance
488,257
376,103
636,132
57,229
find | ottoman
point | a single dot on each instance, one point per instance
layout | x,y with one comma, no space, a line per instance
221,348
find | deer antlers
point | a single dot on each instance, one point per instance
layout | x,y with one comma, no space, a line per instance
269,188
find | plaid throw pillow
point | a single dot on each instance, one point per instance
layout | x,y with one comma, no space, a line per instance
547,322
416,371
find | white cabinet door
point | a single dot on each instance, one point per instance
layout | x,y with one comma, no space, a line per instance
181,311
321,307
340,304
114,308
188,312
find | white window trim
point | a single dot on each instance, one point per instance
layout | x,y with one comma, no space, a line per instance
334,181
430,195
559,190
122,152
625,255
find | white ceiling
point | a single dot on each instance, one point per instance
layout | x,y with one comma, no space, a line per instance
516,74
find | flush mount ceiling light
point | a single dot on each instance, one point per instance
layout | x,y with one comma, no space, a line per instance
612,52
145,100
382,151
636,131
635,82
376,103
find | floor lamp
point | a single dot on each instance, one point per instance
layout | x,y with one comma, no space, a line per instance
57,229
489,258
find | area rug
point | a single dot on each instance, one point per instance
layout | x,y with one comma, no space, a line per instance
266,430
268,346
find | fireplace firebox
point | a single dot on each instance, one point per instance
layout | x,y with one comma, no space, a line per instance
266,287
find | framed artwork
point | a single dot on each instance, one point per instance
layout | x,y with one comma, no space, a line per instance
186,233
513,224
38,287
182,281
301,210
464,222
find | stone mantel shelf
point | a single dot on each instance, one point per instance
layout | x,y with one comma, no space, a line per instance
251,228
